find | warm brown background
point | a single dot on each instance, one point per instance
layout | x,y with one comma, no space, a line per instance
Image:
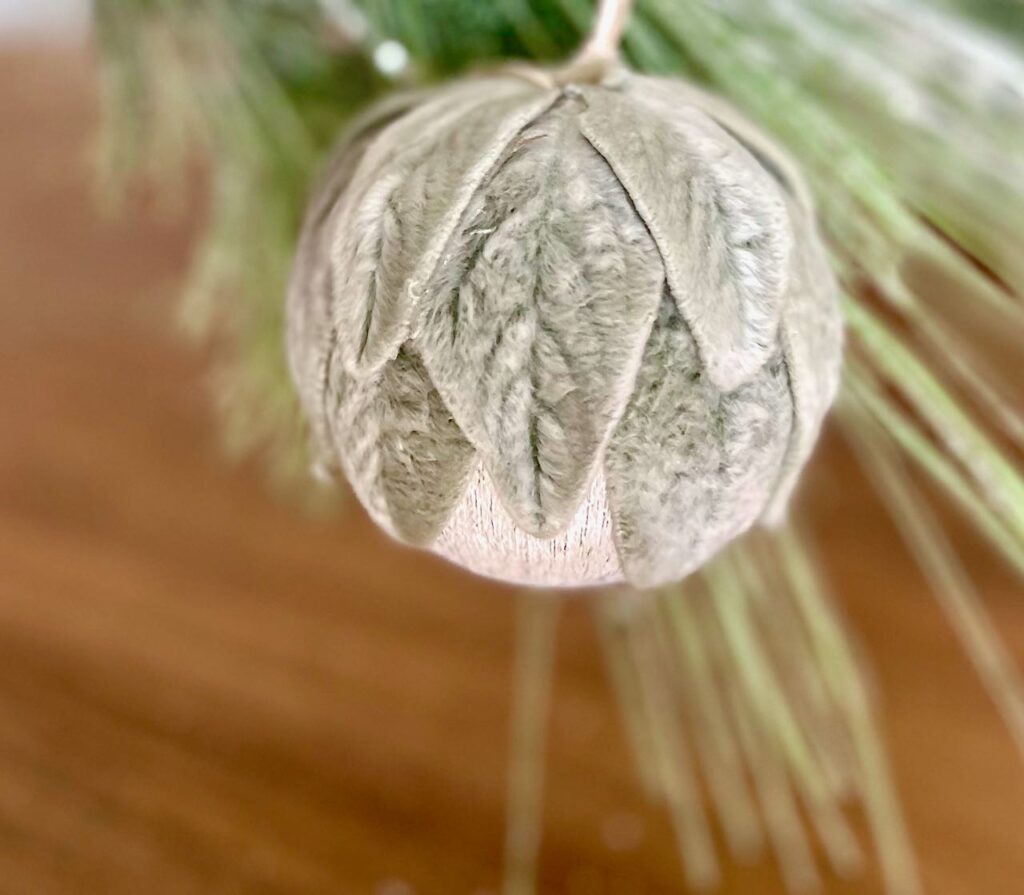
203,691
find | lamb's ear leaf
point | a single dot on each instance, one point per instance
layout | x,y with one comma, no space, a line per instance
404,202
719,220
403,455
670,93
534,326
689,467
311,335
310,299
811,323
812,342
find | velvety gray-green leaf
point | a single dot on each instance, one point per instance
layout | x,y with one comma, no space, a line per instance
310,297
667,94
399,215
534,325
309,328
718,218
398,446
690,467
811,327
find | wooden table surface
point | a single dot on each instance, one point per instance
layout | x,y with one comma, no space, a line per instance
203,690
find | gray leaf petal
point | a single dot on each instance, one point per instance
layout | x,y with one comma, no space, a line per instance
690,467
399,448
534,325
718,218
405,201
670,93
310,331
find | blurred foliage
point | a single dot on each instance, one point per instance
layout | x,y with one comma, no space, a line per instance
258,90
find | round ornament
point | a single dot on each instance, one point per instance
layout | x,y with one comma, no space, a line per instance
564,330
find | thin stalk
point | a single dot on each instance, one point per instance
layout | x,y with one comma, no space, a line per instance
995,475
531,705
861,385
609,27
781,815
945,573
615,641
716,741
760,682
761,755
675,761
899,868
818,723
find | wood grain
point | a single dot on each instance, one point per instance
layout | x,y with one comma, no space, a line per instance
203,690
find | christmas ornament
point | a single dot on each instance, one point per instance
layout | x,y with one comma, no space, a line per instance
564,330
